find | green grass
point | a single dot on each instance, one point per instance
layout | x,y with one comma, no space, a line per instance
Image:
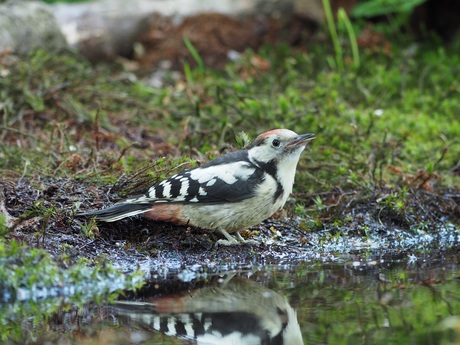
397,110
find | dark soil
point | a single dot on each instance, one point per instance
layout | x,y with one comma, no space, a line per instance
213,35
46,219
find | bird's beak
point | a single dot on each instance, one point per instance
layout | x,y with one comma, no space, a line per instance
301,140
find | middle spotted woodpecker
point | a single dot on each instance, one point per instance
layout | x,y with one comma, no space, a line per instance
229,194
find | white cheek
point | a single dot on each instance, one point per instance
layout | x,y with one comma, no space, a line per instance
262,154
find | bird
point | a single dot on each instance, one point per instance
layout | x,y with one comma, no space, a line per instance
234,310
228,194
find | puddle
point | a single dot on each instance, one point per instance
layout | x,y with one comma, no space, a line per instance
364,298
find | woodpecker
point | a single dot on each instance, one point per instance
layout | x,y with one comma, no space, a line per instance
228,194
238,311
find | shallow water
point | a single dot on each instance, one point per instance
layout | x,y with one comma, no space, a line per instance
361,298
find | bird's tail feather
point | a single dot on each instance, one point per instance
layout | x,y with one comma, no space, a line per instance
118,211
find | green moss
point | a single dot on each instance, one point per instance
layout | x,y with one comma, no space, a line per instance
32,283
410,101
30,268
3,228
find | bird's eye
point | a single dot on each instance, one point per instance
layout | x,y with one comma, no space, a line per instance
276,143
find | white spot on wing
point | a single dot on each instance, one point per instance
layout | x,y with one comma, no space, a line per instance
156,323
152,192
211,182
194,199
207,324
167,190
189,329
202,192
183,188
229,173
171,326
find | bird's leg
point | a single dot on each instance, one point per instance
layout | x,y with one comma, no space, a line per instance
240,238
231,241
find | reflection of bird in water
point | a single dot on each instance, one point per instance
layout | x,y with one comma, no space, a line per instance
238,311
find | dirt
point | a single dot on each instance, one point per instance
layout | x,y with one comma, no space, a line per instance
46,219
214,35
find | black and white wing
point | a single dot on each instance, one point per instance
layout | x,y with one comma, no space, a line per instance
229,178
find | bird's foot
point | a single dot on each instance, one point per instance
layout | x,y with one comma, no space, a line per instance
233,240
223,242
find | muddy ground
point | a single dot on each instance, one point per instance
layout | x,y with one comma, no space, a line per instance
161,248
